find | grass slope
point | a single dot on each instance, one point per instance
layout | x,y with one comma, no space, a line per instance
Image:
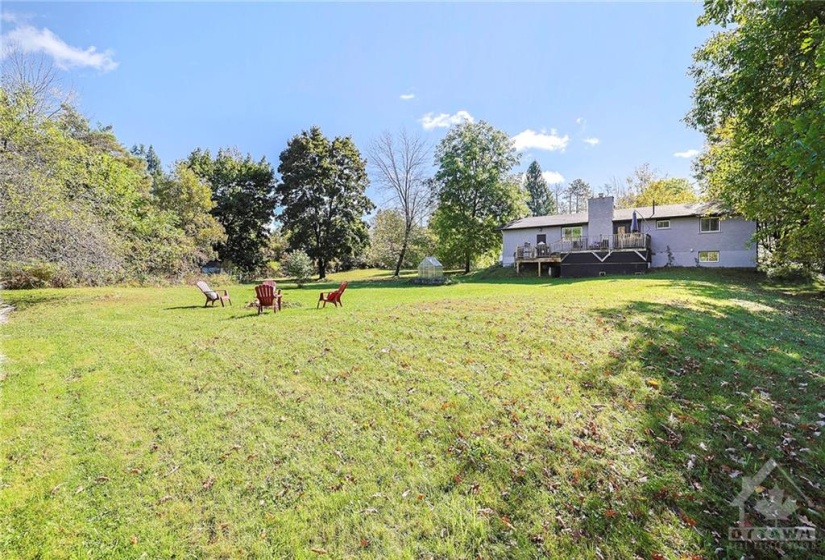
496,417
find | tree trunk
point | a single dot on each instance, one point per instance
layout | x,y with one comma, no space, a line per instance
403,251
467,264
322,269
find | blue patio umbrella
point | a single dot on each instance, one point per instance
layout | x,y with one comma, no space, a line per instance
634,224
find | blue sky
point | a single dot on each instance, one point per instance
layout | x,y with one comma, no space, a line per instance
590,90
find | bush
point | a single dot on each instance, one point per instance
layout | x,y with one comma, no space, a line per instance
24,276
299,266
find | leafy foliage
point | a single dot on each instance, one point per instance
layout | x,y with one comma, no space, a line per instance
190,201
322,192
758,97
474,191
72,196
298,265
540,200
243,191
387,236
666,191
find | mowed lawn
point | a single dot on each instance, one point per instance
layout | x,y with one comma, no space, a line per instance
492,418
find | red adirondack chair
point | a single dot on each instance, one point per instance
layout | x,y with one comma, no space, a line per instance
268,296
333,297
211,295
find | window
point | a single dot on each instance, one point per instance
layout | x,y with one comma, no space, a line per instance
571,232
663,224
541,238
709,225
708,256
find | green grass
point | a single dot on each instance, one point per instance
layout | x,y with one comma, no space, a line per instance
496,417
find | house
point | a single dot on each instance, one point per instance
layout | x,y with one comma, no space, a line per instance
604,240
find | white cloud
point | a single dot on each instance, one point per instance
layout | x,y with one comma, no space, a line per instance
687,154
581,121
444,120
29,39
540,140
407,96
552,177
591,141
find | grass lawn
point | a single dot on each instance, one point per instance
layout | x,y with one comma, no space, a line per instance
495,418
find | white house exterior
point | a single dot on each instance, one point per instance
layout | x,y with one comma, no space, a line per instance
683,235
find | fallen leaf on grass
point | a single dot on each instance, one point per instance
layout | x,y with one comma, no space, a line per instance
653,383
506,520
611,513
319,551
102,479
209,482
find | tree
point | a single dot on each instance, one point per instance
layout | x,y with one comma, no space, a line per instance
389,232
666,191
578,193
474,191
189,199
299,266
243,191
72,198
323,195
540,200
400,167
758,97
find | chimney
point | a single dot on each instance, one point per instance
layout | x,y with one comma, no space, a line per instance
600,218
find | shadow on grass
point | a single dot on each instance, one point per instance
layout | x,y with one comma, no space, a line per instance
732,384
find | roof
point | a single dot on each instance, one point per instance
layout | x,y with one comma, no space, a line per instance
429,261
663,211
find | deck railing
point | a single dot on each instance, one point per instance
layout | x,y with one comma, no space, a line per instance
615,242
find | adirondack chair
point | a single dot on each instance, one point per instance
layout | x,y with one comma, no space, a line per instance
333,297
212,296
268,296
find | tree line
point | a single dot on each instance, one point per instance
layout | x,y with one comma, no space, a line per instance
77,207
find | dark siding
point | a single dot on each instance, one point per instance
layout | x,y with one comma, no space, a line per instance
581,265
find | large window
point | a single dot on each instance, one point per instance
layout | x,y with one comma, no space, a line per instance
709,225
663,224
541,238
571,232
708,256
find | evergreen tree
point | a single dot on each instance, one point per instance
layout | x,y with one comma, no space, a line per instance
539,198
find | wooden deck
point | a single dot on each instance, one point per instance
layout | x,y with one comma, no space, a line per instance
555,253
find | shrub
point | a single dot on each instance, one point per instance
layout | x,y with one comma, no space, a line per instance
23,276
298,265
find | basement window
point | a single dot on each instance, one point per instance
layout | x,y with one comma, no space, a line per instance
709,256
663,224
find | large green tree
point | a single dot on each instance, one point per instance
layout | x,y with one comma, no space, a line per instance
758,97
243,191
189,200
674,190
323,196
540,200
474,191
